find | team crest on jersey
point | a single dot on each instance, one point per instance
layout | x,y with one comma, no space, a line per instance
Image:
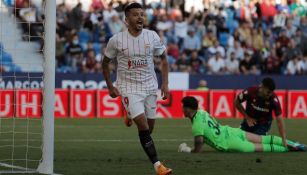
133,64
241,96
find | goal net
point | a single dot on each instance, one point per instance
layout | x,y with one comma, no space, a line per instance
27,60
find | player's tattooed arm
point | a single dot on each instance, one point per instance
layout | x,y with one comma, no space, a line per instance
279,120
106,73
198,144
164,86
281,127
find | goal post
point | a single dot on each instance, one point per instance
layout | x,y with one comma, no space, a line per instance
27,111
46,166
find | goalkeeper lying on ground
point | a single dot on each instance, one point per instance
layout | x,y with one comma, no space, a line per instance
206,129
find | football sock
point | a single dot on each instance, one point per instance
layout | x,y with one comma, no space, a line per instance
270,139
148,145
157,164
273,148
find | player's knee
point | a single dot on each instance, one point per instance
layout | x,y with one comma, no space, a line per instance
143,126
141,122
151,124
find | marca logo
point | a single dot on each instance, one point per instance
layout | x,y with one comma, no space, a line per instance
78,84
132,64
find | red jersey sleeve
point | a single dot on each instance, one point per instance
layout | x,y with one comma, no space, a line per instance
245,94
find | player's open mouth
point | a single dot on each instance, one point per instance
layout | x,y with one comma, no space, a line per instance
140,23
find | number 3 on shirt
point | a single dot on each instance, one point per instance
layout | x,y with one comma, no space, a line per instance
216,126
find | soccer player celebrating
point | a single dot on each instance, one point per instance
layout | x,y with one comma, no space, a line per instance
136,81
206,129
261,101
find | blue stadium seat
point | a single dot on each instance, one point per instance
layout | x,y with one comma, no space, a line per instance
64,69
84,36
97,47
7,61
84,46
15,68
1,47
232,25
170,59
9,2
4,56
11,67
223,39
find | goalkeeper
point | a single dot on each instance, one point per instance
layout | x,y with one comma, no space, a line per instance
207,130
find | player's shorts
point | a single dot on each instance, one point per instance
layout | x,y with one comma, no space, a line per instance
259,129
136,104
237,141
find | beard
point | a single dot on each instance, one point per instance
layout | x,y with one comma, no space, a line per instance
138,27
135,25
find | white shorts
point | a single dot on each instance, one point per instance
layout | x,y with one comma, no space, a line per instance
136,104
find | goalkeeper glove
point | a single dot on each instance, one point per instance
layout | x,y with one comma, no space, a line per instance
183,147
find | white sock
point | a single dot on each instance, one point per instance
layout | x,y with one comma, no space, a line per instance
157,164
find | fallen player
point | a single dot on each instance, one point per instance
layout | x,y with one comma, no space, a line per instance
206,129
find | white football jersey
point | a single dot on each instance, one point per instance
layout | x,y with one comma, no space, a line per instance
135,69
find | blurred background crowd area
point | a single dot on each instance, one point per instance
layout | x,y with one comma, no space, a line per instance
202,36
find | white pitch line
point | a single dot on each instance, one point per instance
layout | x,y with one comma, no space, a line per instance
121,140
95,126
114,126
97,140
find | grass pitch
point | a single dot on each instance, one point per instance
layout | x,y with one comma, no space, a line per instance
107,146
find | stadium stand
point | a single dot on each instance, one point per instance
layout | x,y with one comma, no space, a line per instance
266,37
17,52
